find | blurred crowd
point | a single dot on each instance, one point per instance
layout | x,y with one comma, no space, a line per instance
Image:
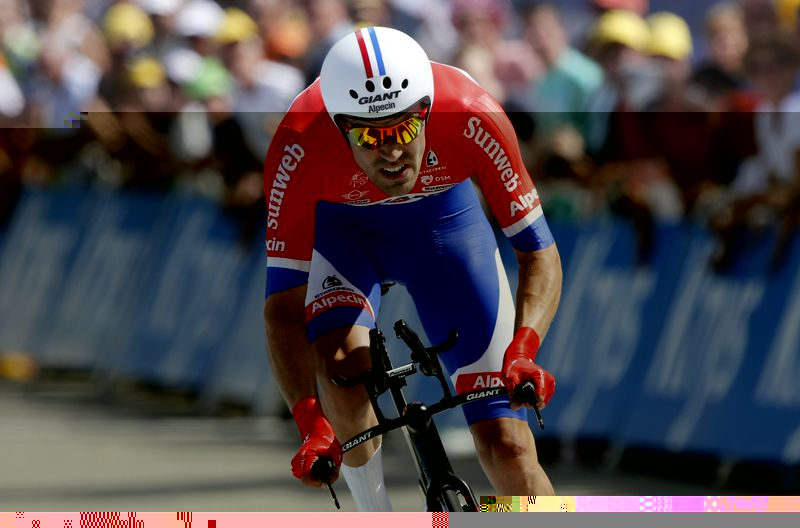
622,109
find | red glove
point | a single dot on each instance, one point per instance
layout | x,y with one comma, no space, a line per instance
518,368
319,441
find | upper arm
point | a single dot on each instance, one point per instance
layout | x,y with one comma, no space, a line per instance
497,164
287,305
291,203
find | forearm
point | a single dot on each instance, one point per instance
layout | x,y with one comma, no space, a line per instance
539,290
290,354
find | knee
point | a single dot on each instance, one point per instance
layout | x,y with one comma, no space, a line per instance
504,439
338,354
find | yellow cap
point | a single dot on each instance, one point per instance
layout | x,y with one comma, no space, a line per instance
787,13
236,26
128,23
669,36
621,27
146,72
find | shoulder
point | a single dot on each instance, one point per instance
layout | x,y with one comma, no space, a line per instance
307,111
457,91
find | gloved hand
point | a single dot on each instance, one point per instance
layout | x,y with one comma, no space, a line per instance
519,367
319,441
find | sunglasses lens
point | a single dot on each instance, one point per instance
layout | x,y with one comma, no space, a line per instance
375,137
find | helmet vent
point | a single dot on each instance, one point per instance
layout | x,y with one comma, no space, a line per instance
387,82
405,83
370,86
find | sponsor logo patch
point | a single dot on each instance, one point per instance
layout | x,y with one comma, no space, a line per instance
275,245
355,194
526,201
331,281
358,179
437,188
283,175
478,380
431,160
335,298
491,147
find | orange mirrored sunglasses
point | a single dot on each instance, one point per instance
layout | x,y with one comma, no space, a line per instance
374,137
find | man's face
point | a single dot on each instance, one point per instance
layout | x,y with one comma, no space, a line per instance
393,168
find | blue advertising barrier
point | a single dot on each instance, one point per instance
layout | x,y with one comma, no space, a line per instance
39,249
667,355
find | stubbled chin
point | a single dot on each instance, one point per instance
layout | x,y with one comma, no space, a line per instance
397,188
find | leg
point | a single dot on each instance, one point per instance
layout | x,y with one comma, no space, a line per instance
507,453
345,351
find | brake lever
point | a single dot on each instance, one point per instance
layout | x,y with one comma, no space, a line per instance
527,393
322,470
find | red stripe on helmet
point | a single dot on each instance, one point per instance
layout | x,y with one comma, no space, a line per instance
364,54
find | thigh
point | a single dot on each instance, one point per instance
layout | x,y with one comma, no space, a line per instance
343,284
465,287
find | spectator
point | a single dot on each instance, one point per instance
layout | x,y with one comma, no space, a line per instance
787,13
208,97
639,7
760,16
617,132
678,126
19,40
263,89
767,188
226,168
128,31
431,23
284,29
69,64
618,43
560,95
198,22
371,13
727,39
721,86
135,132
163,14
12,101
501,66
329,21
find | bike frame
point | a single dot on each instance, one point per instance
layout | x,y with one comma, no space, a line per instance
442,488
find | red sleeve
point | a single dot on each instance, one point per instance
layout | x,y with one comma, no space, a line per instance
494,155
291,206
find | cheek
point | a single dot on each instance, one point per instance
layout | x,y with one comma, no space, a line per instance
358,155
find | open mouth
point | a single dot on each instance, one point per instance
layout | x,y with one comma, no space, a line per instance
394,172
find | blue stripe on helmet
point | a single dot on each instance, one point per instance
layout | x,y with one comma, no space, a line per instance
377,48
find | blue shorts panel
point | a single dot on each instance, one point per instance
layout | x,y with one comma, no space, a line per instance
443,249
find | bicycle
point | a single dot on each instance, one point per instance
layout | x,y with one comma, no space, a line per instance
443,490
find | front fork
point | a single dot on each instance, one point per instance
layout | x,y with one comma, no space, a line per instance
432,461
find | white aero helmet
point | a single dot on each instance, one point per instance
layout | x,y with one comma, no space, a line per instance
374,73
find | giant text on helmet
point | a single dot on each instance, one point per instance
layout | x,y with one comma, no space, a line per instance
287,166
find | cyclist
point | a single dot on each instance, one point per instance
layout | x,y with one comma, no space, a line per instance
368,180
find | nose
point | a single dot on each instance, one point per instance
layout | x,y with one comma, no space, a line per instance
390,151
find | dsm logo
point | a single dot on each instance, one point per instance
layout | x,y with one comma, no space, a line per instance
332,281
